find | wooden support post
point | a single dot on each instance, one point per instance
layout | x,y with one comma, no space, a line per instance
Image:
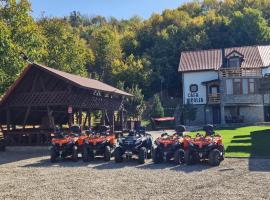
89,119
103,117
111,119
80,117
26,116
8,119
50,117
122,124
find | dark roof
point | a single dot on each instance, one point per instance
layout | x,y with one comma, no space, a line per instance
211,81
254,57
79,81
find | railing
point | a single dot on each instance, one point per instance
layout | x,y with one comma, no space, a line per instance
229,72
214,98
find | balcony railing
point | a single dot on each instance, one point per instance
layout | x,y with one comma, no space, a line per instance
214,98
229,72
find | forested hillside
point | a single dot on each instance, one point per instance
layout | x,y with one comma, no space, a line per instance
130,52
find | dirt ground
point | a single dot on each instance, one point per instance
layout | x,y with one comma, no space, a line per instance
26,173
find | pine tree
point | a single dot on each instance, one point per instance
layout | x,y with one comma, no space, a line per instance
157,109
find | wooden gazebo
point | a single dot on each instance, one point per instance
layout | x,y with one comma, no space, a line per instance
43,97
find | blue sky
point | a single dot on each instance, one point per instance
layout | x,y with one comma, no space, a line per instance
120,9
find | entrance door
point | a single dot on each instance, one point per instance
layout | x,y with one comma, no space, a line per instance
267,113
216,114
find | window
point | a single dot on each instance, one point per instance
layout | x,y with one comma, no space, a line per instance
251,86
245,86
237,86
234,62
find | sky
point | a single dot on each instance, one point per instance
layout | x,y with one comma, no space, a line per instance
120,9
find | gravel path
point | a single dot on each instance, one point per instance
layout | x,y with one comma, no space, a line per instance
26,173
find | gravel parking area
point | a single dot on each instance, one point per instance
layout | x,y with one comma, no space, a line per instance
26,173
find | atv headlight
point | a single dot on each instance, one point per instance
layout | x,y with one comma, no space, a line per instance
105,141
86,141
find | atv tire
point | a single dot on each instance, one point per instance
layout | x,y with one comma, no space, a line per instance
142,155
221,149
54,155
3,147
157,156
179,156
189,158
86,154
107,154
150,154
214,157
74,155
118,156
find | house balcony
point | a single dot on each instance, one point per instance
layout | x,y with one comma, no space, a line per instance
239,72
214,98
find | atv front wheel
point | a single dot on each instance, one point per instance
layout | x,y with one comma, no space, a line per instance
214,157
107,154
189,157
150,154
54,155
118,156
142,155
157,156
74,155
86,154
179,156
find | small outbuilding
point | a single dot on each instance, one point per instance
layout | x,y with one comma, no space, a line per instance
43,97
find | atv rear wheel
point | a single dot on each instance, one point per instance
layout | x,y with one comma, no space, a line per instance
118,155
107,154
74,155
54,155
157,156
214,157
179,156
189,157
142,155
86,154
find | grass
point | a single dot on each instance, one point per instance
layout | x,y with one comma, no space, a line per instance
249,141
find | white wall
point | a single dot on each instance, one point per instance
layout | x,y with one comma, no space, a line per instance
197,78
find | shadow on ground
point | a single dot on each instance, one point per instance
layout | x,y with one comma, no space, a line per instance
15,154
259,148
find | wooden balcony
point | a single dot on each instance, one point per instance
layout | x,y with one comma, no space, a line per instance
214,98
232,72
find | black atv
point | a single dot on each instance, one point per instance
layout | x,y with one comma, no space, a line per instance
137,143
170,147
2,143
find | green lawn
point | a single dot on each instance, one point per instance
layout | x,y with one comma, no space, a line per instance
246,141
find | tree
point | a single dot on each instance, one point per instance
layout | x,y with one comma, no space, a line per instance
18,33
157,109
66,50
188,113
135,105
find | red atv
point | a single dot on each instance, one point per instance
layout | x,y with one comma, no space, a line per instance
100,142
67,144
170,147
208,147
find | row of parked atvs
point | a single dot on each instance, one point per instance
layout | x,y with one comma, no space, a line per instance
177,147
